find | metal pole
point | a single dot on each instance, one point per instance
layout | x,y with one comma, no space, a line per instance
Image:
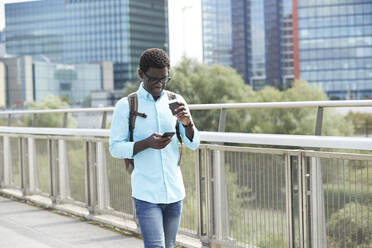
90,175
65,116
104,120
53,171
7,161
220,200
22,166
9,120
317,223
32,165
289,200
199,200
64,184
209,216
103,193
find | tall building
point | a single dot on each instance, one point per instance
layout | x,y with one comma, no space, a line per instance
24,80
18,86
261,39
335,46
84,31
241,38
216,28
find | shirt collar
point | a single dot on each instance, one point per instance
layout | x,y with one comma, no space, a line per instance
142,92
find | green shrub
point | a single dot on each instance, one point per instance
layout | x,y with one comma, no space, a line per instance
350,226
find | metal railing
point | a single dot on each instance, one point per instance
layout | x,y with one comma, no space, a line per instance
319,105
236,196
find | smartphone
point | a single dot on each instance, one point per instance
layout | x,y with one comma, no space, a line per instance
168,134
173,106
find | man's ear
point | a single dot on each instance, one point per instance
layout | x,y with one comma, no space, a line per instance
140,73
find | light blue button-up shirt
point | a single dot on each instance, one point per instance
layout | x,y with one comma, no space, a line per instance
156,177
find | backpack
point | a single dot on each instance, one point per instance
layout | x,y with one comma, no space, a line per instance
133,107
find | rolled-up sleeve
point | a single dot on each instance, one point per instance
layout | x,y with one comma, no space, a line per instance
119,144
194,143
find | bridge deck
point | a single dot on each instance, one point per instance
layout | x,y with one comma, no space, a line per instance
22,225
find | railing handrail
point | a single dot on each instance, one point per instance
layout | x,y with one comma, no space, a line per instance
306,141
252,105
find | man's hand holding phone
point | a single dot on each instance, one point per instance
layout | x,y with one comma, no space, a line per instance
179,110
157,141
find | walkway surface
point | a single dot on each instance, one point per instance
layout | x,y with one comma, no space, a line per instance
25,226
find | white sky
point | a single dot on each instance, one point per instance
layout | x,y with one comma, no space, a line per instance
184,28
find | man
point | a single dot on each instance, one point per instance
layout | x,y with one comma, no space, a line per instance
157,185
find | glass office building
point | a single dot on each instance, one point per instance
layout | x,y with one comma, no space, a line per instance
76,82
216,28
262,41
255,35
241,38
335,46
83,31
24,80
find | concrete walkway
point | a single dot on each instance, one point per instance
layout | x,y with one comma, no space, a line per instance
25,226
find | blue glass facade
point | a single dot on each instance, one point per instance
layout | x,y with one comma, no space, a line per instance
216,27
258,40
262,41
241,38
335,46
73,81
81,31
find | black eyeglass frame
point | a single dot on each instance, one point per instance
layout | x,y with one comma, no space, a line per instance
155,80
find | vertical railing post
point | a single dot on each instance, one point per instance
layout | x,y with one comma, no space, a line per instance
103,194
317,223
90,177
304,202
289,200
52,155
9,120
209,218
220,200
23,159
7,161
221,207
301,204
65,118
33,183
199,200
63,169
104,120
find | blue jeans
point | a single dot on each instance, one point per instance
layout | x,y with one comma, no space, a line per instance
158,223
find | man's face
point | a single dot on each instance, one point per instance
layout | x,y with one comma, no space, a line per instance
154,80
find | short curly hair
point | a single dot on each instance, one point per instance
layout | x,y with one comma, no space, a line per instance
153,57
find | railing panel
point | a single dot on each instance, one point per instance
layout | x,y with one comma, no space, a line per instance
76,157
256,199
189,212
42,165
15,162
347,203
119,184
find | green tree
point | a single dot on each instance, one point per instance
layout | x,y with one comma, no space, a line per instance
202,84
50,120
295,120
